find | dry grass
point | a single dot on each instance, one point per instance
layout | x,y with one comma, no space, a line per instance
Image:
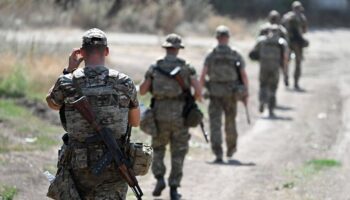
40,72
239,27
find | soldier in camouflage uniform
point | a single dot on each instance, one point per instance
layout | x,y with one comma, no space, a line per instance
224,67
296,25
168,104
275,19
273,55
113,99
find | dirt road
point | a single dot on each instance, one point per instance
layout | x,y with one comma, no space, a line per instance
273,156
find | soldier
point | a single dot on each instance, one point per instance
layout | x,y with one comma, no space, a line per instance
224,67
296,25
168,104
113,99
273,55
274,18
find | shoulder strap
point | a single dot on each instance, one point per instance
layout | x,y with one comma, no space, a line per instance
176,76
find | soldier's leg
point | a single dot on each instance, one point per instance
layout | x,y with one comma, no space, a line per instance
230,109
273,85
263,91
215,114
179,145
298,58
159,143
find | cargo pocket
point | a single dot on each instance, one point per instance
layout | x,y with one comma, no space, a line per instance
79,160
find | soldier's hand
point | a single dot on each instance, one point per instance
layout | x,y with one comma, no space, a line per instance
74,60
198,97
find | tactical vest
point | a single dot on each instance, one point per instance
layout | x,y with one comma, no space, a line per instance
222,66
271,53
108,101
163,86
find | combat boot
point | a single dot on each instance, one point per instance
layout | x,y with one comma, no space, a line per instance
160,186
230,152
286,81
218,160
174,195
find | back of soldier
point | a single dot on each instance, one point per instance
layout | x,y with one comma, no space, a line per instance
167,93
222,71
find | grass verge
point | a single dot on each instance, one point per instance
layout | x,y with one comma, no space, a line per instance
7,192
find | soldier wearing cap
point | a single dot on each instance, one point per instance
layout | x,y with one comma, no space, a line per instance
274,17
167,105
296,25
113,99
226,84
272,50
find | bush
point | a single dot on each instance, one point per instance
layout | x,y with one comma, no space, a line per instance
15,84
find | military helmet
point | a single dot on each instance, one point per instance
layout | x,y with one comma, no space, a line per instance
94,37
297,5
222,31
173,41
274,16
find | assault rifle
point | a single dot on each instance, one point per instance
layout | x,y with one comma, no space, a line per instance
114,150
241,87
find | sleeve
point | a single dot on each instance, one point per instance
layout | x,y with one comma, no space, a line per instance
149,72
132,93
56,93
192,71
241,60
208,59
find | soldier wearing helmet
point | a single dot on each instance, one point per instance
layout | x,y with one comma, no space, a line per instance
113,99
225,78
272,51
274,17
296,24
167,106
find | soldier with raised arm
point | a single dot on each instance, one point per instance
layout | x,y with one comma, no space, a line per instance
112,98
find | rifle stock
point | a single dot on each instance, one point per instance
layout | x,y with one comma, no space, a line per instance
123,165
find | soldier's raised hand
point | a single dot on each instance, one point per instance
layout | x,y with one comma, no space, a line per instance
74,60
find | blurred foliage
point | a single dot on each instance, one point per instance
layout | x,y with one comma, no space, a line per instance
15,84
7,192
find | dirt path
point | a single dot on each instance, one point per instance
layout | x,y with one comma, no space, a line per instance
271,154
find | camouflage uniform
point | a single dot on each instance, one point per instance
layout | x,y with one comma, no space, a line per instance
271,49
222,63
111,95
296,25
168,109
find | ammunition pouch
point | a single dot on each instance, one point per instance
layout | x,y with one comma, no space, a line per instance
192,114
148,122
141,157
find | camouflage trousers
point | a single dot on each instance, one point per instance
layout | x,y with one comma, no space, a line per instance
109,185
178,139
218,106
268,87
298,51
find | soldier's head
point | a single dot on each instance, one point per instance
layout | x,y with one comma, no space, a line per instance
297,6
173,43
94,47
222,34
274,17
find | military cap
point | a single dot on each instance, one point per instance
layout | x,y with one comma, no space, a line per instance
94,36
222,31
274,15
297,4
173,41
